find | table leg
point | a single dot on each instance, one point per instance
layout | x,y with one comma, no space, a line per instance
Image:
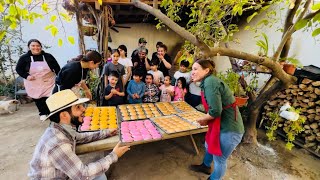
194,145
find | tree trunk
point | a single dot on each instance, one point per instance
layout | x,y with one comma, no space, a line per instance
79,23
11,61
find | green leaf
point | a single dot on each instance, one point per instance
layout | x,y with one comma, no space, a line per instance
2,34
12,10
45,7
54,31
1,8
100,2
316,32
29,1
301,24
247,28
60,42
65,16
53,18
71,40
49,26
316,18
316,7
252,16
20,2
13,25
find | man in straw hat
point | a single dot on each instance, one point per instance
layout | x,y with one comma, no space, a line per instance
54,156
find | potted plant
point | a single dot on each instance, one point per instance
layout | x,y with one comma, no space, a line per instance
290,64
232,80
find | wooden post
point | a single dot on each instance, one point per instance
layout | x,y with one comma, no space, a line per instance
79,23
155,4
106,31
194,145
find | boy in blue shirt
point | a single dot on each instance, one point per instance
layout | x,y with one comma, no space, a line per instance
136,88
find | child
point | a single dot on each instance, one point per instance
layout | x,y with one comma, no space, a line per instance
184,64
167,90
157,75
180,90
152,91
113,93
114,65
136,88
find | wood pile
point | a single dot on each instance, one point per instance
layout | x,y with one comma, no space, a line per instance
306,97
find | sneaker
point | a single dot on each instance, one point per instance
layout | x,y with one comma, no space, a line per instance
43,117
201,168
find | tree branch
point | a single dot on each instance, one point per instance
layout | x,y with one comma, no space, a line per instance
276,68
311,15
290,31
172,25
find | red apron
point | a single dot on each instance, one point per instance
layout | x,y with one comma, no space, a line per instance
213,133
44,79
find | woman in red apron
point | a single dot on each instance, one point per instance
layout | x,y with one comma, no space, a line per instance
74,73
39,70
225,126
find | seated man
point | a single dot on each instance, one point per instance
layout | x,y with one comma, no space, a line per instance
54,156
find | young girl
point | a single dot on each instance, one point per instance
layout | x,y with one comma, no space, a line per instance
157,75
167,90
114,65
152,91
180,89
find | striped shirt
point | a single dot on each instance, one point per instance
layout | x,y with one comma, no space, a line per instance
55,158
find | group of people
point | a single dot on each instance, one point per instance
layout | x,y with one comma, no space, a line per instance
135,81
141,80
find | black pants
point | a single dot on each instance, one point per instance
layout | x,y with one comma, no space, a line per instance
42,106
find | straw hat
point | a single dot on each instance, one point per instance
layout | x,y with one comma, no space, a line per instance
62,100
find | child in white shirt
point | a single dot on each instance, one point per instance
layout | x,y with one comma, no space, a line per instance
157,75
184,64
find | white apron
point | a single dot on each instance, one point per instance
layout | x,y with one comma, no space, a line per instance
44,79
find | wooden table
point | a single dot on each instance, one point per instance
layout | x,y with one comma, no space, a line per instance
109,143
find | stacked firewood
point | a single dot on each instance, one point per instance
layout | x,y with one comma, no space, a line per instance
306,97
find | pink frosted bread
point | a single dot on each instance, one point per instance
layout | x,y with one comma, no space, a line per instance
127,139
85,128
137,138
156,136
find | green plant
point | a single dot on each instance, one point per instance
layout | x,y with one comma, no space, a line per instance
292,129
7,89
292,60
264,45
92,83
232,78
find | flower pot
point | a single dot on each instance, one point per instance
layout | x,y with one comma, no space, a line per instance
241,101
289,68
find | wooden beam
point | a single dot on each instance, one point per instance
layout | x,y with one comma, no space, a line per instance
97,5
155,4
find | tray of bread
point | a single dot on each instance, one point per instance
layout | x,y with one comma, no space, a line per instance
97,118
173,124
140,130
130,112
166,108
192,116
182,106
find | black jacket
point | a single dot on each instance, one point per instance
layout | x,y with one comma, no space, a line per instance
23,65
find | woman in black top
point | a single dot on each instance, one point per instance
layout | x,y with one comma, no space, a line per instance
75,72
163,58
38,69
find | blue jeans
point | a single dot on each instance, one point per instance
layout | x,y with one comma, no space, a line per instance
228,142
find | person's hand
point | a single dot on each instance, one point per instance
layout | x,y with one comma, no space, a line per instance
202,122
120,150
154,93
135,64
30,78
134,96
160,57
88,94
137,96
113,132
114,91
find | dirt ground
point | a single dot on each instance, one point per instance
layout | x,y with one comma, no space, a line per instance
19,133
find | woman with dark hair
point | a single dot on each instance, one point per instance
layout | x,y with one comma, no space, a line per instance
39,70
223,119
75,73
126,62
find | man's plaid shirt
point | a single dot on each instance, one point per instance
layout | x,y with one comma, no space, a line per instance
55,158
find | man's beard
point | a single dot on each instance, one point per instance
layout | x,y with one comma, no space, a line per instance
75,121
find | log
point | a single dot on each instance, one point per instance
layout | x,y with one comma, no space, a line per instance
311,111
310,138
306,126
311,104
316,83
303,109
308,131
313,95
295,92
273,103
295,104
318,110
311,117
282,96
300,98
318,102
310,88
318,139
305,100
294,86
288,91
314,126
304,105
317,91
306,81
300,93
288,98
315,131
317,118
309,145
306,94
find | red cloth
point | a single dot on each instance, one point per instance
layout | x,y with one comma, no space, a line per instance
213,133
